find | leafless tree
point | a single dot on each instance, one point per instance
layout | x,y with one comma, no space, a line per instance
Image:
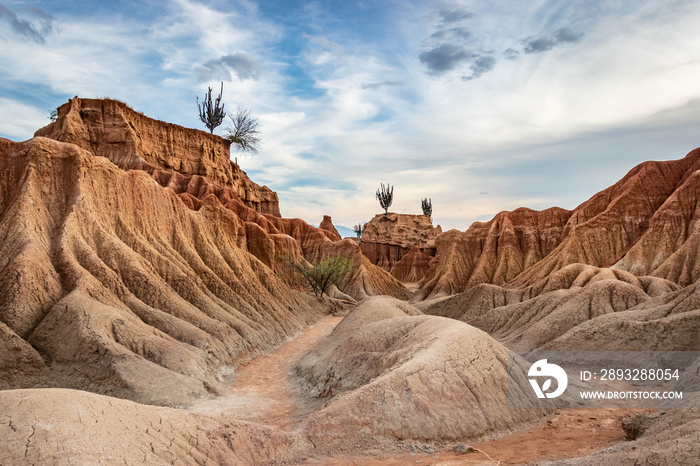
244,131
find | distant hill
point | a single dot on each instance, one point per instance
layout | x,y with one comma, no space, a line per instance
345,232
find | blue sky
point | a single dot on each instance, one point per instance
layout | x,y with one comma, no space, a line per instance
482,106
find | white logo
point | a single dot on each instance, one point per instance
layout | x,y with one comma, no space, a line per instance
542,369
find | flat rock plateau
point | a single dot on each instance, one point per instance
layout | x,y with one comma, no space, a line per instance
147,317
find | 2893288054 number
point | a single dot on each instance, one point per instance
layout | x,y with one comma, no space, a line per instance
639,374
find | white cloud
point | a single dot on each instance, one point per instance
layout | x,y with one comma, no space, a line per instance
19,121
214,30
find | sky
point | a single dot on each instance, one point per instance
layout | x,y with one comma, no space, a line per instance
480,105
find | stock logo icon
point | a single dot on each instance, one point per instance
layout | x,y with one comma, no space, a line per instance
542,368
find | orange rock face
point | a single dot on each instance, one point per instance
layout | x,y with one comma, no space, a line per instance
495,251
197,167
619,272
400,229
131,140
413,267
668,248
601,231
112,284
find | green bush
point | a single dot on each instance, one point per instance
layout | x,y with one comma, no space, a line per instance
321,274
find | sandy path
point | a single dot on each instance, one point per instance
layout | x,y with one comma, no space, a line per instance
571,433
263,390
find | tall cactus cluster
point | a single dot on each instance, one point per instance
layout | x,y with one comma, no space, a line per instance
385,195
427,206
211,112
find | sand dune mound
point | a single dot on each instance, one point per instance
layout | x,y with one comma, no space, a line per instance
57,426
395,374
111,283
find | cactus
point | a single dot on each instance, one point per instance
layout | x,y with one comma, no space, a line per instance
358,230
212,113
385,197
427,206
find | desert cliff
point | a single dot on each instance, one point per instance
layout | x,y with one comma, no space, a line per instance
109,128
112,284
560,279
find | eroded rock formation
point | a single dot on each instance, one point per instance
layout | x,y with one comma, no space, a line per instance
496,251
582,307
603,230
196,165
111,283
140,281
388,238
571,280
137,261
413,267
327,225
